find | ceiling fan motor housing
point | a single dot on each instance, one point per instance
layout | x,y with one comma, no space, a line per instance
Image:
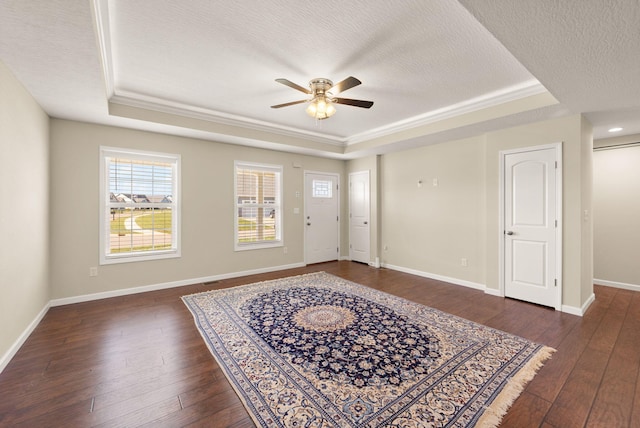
320,86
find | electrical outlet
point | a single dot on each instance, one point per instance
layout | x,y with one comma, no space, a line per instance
463,262
93,271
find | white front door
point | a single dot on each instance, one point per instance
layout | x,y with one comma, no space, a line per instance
531,187
321,217
359,209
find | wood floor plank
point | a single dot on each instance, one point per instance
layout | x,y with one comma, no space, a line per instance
574,403
571,407
550,380
635,412
140,416
525,409
613,405
139,360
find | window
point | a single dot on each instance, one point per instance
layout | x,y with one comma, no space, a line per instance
258,212
322,188
139,205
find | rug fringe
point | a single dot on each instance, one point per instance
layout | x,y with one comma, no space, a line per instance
494,413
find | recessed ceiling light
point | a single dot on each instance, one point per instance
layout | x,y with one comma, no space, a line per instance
616,129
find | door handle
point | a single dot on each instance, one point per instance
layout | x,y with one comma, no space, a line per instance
509,232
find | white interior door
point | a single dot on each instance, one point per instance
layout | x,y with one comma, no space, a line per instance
530,226
321,217
359,213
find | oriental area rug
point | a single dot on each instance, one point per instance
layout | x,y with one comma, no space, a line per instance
319,351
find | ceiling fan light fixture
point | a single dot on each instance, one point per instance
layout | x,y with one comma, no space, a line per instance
322,102
321,107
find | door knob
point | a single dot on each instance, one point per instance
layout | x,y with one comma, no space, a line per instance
366,222
509,232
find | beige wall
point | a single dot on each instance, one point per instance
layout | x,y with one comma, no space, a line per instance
616,215
586,206
24,222
207,209
430,229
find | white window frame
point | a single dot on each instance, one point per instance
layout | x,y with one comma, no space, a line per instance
276,205
107,153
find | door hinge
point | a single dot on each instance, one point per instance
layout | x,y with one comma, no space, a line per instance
556,164
555,282
556,223
337,218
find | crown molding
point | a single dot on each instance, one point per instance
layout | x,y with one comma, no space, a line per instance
147,102
133,99
103,36
492,99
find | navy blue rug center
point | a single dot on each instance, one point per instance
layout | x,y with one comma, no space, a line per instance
342,337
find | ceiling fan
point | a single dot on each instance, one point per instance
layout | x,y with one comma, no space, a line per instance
323,97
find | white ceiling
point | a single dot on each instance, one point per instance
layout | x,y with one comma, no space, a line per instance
436,70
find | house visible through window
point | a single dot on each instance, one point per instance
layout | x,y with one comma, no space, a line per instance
139,205
258,207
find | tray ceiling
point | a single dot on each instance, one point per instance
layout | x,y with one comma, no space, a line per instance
207,69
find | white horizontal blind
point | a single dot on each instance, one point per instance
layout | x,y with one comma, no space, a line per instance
258,205
140,208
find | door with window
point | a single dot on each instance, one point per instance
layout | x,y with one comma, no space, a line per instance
321,217
531,237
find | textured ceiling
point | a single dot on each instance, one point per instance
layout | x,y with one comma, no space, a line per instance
436,70
585,52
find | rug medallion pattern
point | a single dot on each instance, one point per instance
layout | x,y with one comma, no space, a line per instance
319,351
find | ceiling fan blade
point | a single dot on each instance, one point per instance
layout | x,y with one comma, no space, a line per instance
355,103
347,83
289,104
290,84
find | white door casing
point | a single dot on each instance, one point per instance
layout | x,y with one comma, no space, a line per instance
530,225
359,217
321,217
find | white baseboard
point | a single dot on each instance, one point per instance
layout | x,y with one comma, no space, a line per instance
493,292
565,308
579,311
623,285
455,281
23,337
123,292
375,263
172,284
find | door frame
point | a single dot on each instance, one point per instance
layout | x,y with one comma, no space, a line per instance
501,214
304,210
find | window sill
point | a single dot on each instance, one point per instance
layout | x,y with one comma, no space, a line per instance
258,245
141,257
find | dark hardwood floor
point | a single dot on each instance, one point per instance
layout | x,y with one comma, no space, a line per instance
139,361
